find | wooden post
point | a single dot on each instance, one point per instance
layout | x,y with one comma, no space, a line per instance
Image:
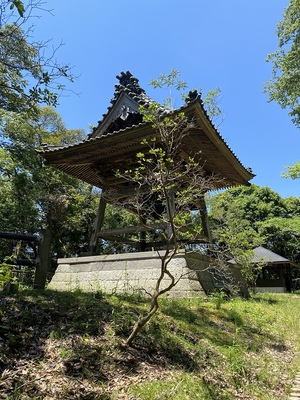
204,219
143,243
97,224
43,259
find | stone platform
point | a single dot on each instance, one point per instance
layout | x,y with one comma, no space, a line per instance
134,272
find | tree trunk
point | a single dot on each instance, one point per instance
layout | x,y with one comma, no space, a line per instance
165,260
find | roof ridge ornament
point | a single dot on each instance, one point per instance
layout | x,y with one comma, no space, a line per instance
129,82
192,96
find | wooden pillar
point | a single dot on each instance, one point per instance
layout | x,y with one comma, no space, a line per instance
204,219
43,259
97,224
143,243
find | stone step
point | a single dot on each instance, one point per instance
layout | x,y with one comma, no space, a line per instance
295,390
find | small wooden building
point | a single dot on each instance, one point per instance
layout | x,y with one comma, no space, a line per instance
120,136
274,273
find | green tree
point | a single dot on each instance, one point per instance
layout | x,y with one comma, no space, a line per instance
284,85
37,197
29,72
292,171
282,235
172,83
166,179
292,206
243,218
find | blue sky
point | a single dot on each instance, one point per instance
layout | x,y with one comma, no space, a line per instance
212,43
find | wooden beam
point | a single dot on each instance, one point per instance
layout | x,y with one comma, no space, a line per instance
120,239
19,261
18,236
132,229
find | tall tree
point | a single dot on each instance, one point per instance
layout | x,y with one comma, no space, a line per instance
284,86
29,72
243,218
36,197
282,235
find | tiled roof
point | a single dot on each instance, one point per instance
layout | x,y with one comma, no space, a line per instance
262,254
130,85
123,116
194,96
265,256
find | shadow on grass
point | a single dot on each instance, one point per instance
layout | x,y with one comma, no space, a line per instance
178,337
220,326
265,300
30,317
205,322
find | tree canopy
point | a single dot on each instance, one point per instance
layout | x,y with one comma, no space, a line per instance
245,217
284,85
35,196
292,171
29,72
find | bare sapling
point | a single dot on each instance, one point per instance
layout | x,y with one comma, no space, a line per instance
166,183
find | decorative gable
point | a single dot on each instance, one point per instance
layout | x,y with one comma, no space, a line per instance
124,111
123,114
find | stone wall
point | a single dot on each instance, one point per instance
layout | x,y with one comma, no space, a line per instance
132,272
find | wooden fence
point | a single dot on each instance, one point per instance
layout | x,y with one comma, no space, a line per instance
41,244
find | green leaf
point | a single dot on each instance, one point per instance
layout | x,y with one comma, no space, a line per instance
19,6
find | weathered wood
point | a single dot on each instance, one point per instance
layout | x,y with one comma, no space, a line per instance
98,224
120,239
132,229
151,244
18,236
43,260
143,244
204,219
115,234
112,152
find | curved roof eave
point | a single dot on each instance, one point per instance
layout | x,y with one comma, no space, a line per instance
203,119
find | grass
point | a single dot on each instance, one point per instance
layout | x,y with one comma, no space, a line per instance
68,346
